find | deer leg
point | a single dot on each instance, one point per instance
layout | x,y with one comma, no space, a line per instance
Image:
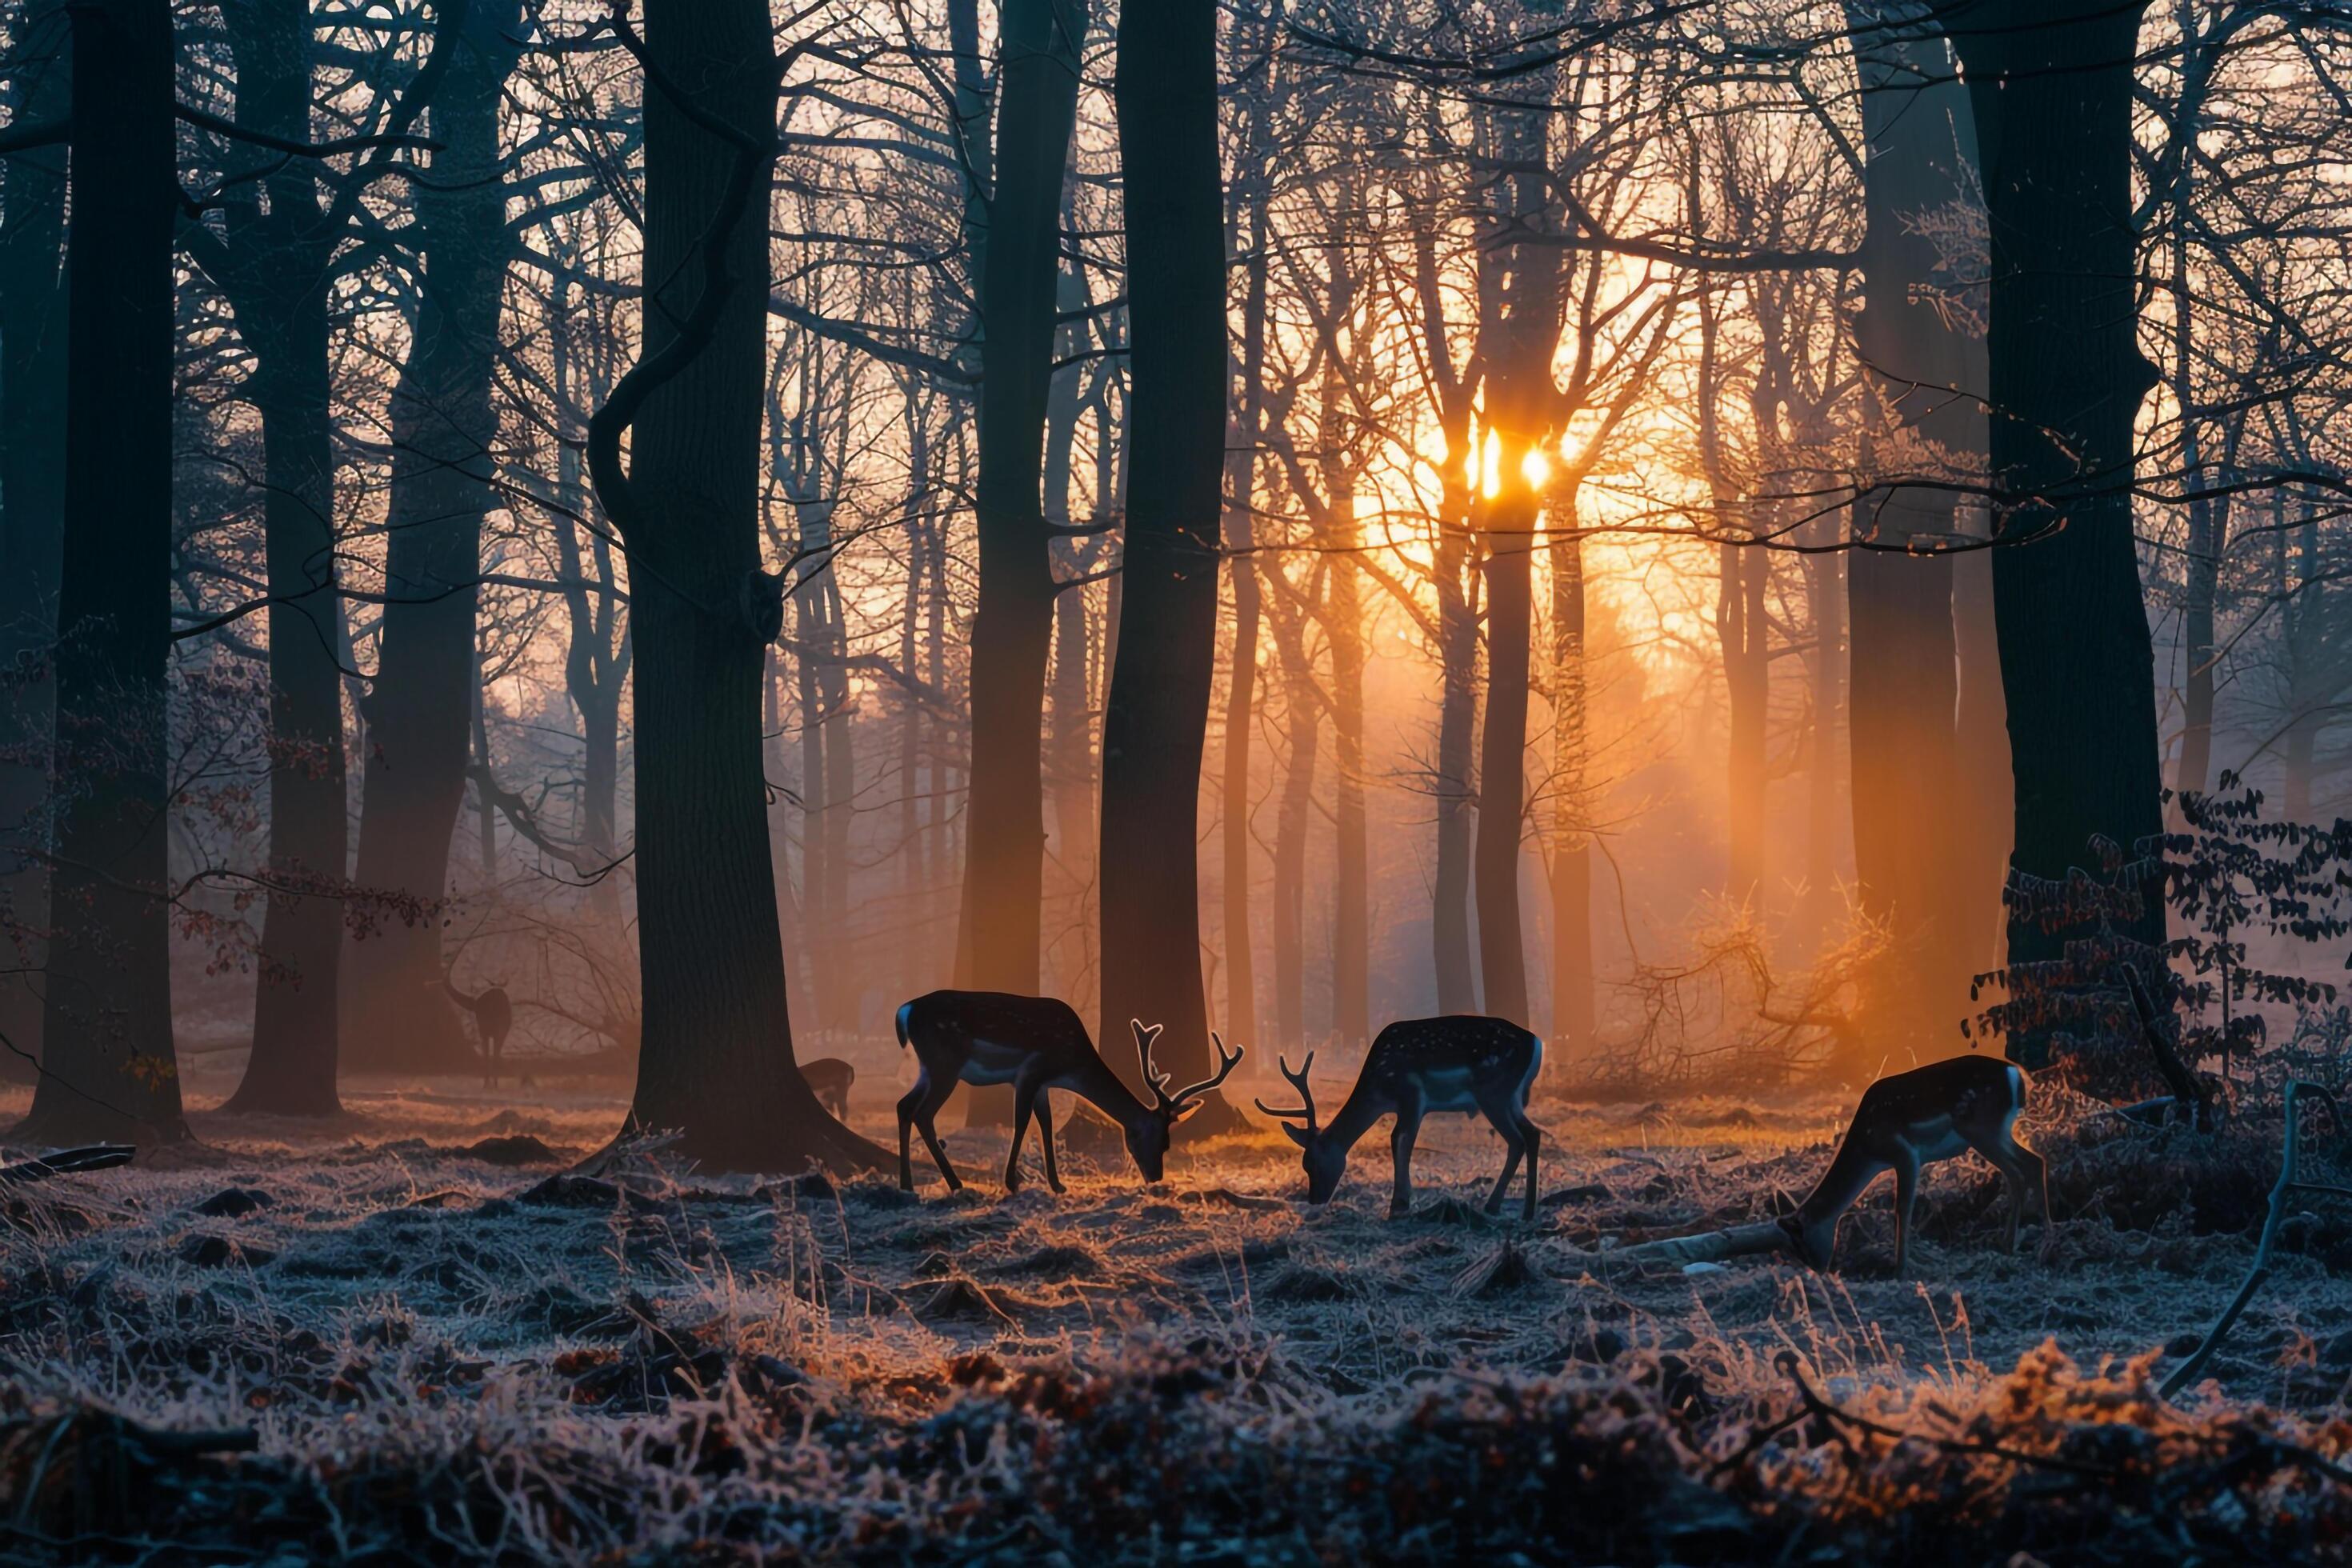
1503,1114
1401,1141
1906,1197
1532,1136
927,1124
1021,1096
908,1105
1045,1138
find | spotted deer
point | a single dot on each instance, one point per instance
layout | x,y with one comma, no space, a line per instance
1909,1119
1034,1043
1418,1065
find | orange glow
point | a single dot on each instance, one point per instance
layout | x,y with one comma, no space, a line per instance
1535,467
1490,466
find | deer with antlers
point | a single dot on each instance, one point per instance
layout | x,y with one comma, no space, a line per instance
1035,1044
1415,1066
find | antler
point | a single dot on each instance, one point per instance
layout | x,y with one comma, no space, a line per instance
1226,1062
1157,1081
1305,1107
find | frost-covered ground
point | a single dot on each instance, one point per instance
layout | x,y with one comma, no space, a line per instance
441,1355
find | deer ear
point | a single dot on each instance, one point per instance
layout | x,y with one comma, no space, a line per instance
1189,1106
1295,1132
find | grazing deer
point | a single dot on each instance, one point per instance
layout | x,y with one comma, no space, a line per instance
1907,1120
1034,1043
493,1015
830,1078
1417,1066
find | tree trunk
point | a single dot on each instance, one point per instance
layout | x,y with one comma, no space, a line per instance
1343,622
33,329
1154,726
1303,726
1571,844
1455,790
1004,866
1744,635
1502,773
715,1063
1240,690
444,430
1918,859
109,1070
2054,105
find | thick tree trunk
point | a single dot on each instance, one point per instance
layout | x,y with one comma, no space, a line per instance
32,511
1502,771
444,429
1919,855
2054,104
1013,629
109,1070
295,1018
715,1063
1155,722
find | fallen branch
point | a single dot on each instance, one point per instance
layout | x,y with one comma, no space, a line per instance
1707,1247
2290,1182
67,1163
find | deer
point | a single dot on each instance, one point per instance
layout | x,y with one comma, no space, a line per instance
1417,1066
493,1015
830,1078
1034,1043
1909,1119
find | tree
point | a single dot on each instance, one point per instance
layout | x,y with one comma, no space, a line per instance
1155,722
1915,729
32,503
1522,276
715,1064
444,430
1039,41
2051,87
108,1069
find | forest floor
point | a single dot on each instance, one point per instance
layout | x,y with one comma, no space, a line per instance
409,1337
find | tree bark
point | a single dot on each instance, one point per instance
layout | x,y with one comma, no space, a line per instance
1039,43
715,1064
1571,846
32,328
444,432
1917,859
2053,102
109,1073
1154,727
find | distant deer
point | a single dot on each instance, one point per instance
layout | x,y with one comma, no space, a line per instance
1415,1066
1908,1119
493,1015
830,1078
1034,1043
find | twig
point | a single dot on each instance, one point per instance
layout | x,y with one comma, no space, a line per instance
2290,1182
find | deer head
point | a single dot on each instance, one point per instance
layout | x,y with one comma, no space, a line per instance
1147,1135
1324,1159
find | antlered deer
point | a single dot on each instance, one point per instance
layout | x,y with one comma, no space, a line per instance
1417,1066
1907,1120
1034,1043
829,1079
